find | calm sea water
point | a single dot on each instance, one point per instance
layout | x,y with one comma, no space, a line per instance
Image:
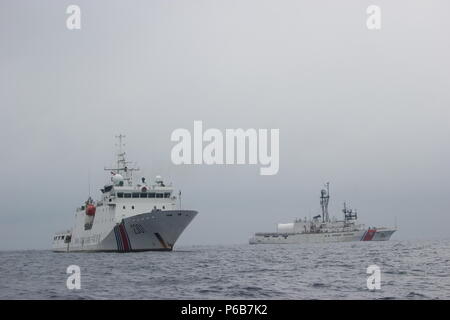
409,270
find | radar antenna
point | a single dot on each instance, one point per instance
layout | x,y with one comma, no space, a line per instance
324,199
122,164
349,214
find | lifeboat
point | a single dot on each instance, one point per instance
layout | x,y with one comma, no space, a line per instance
90,210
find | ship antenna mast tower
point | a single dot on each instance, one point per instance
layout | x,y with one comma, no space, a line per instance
120,153
122,164
324,199
349,214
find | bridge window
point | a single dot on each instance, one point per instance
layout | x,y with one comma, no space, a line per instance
167,195
151,195
135,195
127,195
143,195
159,195
120,194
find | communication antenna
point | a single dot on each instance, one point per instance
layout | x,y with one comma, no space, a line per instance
179,197
89,183
120,144
324,199
122,164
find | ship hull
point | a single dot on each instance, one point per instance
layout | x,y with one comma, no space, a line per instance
151,231
325,237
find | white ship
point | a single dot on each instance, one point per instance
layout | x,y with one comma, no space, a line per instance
323,229
128,217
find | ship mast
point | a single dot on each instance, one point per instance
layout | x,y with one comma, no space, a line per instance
324,199
123,167
349,214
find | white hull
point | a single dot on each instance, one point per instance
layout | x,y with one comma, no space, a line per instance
323,237
322,229
157,230
128,217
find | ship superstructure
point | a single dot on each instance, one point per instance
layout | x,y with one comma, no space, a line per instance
128,217
323,229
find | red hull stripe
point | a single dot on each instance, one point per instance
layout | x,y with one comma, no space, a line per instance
369,235
124,238
128,238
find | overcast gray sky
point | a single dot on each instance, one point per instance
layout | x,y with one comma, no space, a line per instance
368,111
